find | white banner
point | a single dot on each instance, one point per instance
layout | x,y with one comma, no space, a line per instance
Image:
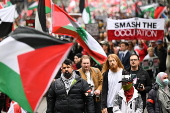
135,28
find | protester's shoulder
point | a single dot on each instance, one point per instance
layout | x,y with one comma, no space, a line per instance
96,70
57,81
106,73
78,72
141,70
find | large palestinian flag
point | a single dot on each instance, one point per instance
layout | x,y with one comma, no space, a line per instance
64,24
29,61
7,16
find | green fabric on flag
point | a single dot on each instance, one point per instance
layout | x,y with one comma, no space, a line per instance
47,10
11,89
82,33
88,11
70,28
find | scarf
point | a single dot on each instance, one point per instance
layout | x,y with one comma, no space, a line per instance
129,94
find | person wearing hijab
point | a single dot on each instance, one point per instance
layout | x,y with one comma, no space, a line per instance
128,100
158,100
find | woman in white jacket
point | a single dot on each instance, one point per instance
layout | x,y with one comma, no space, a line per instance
128,100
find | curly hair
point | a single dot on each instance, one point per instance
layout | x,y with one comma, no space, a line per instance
106,65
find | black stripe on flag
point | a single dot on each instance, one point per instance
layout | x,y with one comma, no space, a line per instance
81,5
41,14
5,28
34,38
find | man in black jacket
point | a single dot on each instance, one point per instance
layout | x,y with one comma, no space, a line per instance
141,79
69,93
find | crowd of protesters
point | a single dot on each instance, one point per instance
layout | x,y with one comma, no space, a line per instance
110,88
111,92
82,85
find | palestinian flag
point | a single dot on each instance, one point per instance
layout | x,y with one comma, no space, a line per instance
29,61
33,6
86,14
47,6
68,26
7,16
157,12
148,8
40,18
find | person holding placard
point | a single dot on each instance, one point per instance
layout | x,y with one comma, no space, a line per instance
153,63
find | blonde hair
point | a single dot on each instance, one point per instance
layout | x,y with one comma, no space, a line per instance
106,65
150,49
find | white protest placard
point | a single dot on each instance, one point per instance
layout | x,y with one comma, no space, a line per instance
150,63
135,28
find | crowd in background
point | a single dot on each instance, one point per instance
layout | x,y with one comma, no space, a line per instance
122,51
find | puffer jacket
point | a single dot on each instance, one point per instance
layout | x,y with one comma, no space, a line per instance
153,105
58,101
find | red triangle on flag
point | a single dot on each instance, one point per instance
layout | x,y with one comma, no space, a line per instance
39,67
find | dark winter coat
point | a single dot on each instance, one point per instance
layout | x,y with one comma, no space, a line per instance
58,101
162,58
153,106
143,78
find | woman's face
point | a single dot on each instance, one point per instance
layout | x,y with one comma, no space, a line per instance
76,59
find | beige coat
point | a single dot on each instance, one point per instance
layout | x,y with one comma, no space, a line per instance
96,77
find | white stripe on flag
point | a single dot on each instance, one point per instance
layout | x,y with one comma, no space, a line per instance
10,53
7,14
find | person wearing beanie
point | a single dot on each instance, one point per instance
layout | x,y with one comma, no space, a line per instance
158,100
128,100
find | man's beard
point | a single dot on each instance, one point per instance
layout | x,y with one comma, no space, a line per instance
67,75
114,68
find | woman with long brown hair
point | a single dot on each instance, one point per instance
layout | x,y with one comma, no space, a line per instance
112,74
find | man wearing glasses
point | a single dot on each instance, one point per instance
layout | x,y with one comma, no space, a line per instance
141,79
